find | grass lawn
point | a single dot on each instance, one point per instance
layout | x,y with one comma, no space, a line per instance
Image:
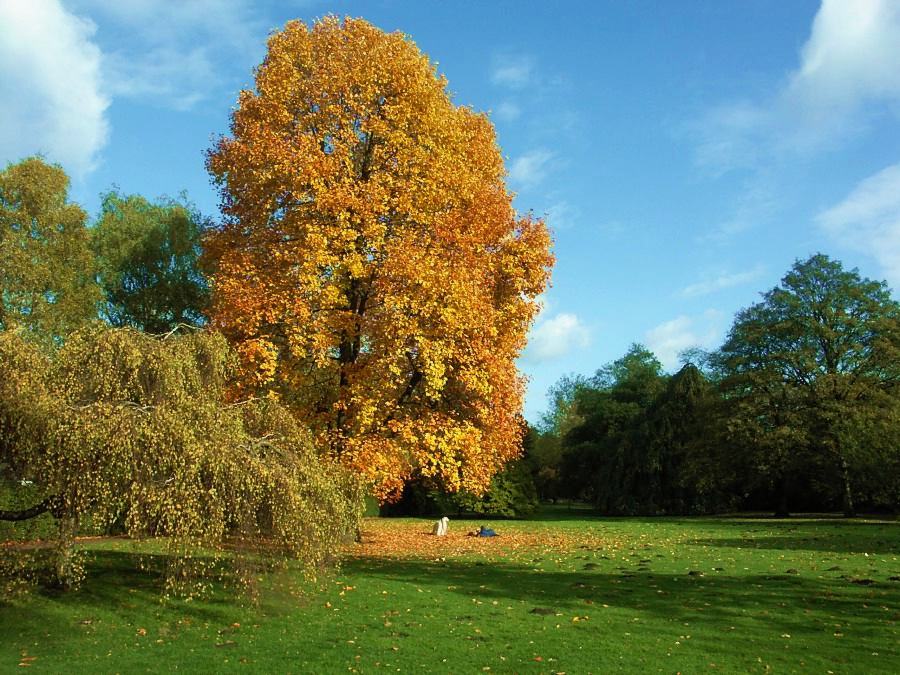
565,593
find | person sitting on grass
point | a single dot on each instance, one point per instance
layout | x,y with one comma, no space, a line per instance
483,531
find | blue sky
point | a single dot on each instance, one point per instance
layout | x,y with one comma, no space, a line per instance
685,153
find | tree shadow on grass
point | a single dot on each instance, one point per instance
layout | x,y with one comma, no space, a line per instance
759,523
832,542
714,599
133,578
811,534
833,536
123,587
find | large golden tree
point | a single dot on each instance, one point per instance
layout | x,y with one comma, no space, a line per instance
371,269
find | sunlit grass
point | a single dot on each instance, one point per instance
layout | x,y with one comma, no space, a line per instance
567,593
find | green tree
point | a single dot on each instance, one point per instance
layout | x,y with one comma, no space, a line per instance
812,372
544,442
605,455
148,257
637,377
563,414
46,265
544,459
683,425
512,494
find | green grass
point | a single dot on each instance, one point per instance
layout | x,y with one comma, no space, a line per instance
655,595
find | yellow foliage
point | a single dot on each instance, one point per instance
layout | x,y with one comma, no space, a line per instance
118,424
370,245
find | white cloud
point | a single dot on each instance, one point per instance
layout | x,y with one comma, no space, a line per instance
755,206
561,215
51,101
514,71
508,111
554,338
868,220
849,71
531,168
670,338
729,136
721,282
852,55
174,51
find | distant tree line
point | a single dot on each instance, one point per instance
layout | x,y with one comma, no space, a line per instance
798,410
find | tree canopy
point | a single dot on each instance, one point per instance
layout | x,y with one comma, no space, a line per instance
799,406
46,266
607,453
117,425
813,370
147,260
371,270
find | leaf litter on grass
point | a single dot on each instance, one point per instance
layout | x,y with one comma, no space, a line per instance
387,538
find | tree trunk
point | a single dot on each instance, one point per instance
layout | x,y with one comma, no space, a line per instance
849,508
68,574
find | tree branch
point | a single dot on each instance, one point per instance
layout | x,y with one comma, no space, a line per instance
50,504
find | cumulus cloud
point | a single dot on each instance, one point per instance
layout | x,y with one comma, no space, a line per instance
530,169
555,337
669,339
514,71
849,70
51,98
852,55
721,282
868,220
174,51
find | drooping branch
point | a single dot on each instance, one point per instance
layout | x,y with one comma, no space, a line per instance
50,504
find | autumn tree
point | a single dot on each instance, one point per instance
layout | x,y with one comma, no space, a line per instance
46,266
371,270
119,425
147,260
811,374
512,493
